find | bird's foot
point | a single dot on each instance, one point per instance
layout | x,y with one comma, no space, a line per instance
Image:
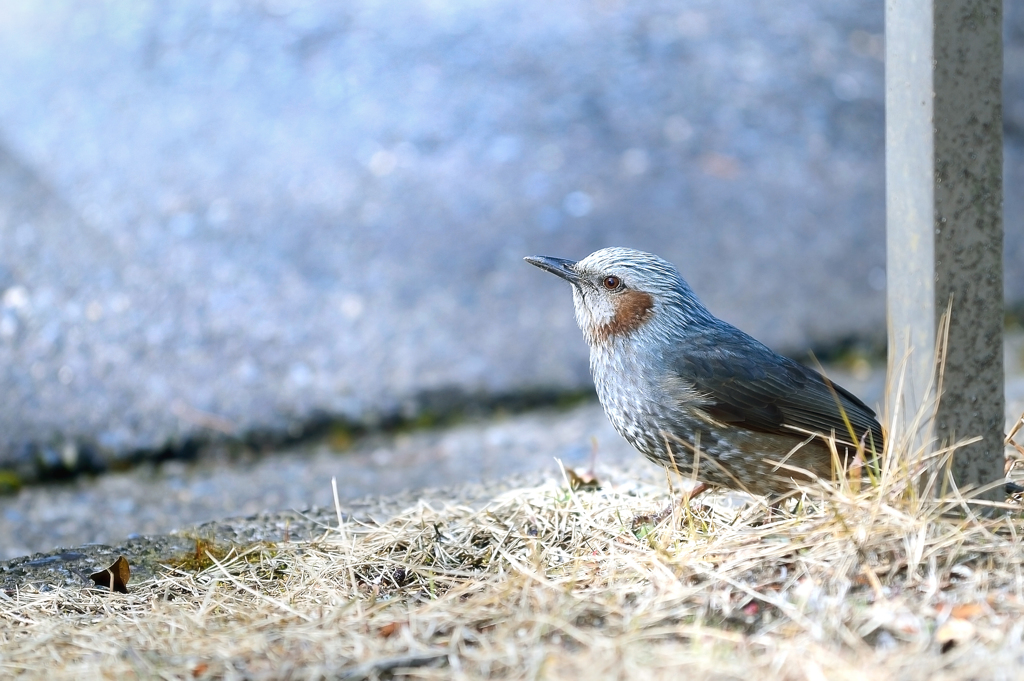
773,511
652,519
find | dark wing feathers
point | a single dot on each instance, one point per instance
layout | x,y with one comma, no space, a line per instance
748,385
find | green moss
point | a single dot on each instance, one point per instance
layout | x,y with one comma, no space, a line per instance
10,482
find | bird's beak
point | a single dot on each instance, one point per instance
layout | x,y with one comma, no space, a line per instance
563,268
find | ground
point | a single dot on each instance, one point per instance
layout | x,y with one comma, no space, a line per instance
862,579
544,577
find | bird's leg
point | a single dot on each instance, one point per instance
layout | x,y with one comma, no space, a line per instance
684,502
697,490
774,508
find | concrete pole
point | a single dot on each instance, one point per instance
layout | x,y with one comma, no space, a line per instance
944,231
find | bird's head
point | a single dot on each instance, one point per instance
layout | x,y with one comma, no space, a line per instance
620,293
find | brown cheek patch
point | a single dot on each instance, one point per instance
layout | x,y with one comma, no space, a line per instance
632,309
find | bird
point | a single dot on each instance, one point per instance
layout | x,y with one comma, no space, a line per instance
697,395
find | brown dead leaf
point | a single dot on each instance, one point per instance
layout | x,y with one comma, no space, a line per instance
1002,599
966,611
585,480
389,630
114,577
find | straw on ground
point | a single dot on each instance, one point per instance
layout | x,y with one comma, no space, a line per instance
851,581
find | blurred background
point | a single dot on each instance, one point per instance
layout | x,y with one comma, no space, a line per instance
221,219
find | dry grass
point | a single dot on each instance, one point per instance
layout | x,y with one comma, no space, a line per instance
548,582
872,578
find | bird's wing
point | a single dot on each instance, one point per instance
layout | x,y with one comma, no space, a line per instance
745,383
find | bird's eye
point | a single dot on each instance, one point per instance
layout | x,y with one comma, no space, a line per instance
611,283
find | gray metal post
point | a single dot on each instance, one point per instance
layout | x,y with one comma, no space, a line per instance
944,161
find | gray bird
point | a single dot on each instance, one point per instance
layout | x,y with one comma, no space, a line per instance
696,394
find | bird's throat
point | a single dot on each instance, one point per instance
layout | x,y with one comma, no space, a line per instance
632,309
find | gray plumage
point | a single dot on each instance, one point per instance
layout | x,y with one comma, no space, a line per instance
694,393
